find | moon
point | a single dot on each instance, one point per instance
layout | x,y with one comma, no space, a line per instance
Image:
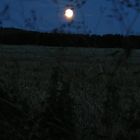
69,14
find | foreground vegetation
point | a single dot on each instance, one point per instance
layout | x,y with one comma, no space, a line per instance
57,99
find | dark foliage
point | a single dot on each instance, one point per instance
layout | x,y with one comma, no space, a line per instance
17,36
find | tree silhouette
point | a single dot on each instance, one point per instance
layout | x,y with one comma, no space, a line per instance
122,10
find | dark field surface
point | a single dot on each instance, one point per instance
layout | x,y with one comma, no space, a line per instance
62,93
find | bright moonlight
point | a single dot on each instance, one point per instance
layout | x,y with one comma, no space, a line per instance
69,14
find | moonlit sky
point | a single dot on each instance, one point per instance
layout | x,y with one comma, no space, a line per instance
46,16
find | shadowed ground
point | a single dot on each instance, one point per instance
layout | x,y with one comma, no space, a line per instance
60,93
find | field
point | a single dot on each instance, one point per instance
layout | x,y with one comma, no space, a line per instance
58,93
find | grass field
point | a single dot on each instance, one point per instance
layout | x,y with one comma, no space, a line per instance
73,93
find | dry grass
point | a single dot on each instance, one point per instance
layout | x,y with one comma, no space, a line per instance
105,97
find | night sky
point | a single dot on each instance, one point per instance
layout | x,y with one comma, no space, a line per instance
94,17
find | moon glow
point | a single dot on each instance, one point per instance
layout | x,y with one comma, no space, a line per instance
69,14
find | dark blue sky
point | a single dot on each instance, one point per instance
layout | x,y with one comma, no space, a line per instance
46,15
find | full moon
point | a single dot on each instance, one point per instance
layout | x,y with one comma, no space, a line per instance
69,14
